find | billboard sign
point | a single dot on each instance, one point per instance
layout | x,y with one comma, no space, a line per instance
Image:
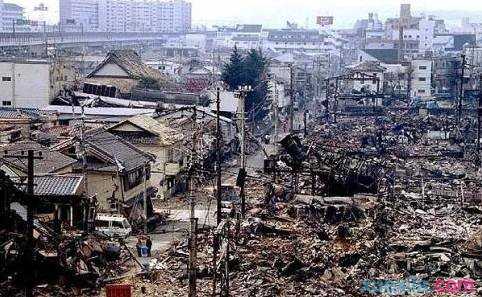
325,20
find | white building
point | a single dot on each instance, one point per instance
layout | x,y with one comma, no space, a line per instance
32,84
83,13
294,40
243,36
421,32
127,15
13,18
421,85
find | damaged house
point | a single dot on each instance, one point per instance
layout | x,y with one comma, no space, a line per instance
61,194
165,143
182,121
52,162
120,73
118,173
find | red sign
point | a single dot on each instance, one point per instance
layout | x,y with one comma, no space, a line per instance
325,20
118,291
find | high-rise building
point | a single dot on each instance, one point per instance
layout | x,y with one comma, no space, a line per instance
84,13
13,18
127,15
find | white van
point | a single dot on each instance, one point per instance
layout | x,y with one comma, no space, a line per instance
112,225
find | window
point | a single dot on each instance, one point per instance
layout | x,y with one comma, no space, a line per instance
117,224
6,103
422,79
113,206
6,78
421,91
422,67
102,224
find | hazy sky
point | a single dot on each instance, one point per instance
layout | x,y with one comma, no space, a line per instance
277,12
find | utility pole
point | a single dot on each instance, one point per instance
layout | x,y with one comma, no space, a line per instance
461,90
226,262
275,114
218,157
83,154
144,177
193,258
242,92
192,266
30,203
292,99
479,115
30,212
218,186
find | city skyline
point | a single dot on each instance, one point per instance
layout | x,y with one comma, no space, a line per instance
345,12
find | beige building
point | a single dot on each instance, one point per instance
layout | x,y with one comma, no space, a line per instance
118,174
164,143
119,73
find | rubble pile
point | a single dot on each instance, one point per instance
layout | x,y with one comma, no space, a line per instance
73,265
93,259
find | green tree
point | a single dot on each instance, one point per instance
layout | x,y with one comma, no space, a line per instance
249,71
233,72
255,72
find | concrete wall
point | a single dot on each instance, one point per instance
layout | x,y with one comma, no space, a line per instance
25,84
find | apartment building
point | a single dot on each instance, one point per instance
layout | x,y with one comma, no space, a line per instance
83,13
127,15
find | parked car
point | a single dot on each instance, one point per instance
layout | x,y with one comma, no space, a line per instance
112,225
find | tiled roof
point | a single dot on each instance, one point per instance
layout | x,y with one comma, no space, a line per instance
166,135
51,161
19,113
114,149
57,185
130,62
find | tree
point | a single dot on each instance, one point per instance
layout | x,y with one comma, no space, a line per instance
255,68
233,72
249,71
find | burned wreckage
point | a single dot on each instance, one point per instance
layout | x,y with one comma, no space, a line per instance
74,258
332,173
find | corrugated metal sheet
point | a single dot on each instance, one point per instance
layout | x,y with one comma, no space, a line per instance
56,185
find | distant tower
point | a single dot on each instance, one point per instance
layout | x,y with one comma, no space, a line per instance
405,11
405,16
